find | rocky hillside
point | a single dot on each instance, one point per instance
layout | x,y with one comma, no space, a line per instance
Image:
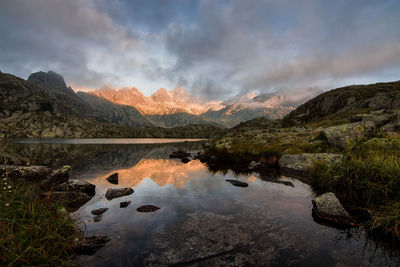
26,110
88,105
346,101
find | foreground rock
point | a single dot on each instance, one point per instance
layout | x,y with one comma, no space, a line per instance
41,174
72,200
90,244
99,211
118,192
237,183
327,207
113,179
344,134
77,185
301,164
147,208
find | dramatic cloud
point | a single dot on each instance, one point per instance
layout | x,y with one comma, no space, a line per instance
215,49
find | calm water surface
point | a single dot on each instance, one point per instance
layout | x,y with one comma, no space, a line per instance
202,220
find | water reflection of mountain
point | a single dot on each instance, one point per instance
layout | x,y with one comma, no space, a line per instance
161,171
92,160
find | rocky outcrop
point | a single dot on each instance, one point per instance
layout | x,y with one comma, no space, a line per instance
348,99
118,192
28,173
43,175
343,135
327,207
301,164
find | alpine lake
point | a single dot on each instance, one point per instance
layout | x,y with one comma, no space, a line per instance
202,218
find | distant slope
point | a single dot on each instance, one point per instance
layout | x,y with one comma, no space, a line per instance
86,105
349,99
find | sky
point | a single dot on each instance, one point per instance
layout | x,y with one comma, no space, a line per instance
213,48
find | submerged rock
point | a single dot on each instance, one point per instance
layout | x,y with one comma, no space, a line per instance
147,208
327,207
237,183
301,164
99,211
118,192
344,134
124,204
90,244
113,179
72,200
77,185
97,218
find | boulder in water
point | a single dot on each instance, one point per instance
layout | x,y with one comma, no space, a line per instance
118,192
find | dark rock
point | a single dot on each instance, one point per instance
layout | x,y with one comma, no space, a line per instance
327,207
124,204
118,192
147,208
99,211
72,200
185,160
90,244
237,183
113,179
77,185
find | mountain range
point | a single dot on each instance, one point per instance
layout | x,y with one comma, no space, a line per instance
176,107
128,106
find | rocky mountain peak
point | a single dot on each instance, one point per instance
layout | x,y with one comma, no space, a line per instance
51,81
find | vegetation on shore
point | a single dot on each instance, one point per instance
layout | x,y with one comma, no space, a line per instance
33,231
368,177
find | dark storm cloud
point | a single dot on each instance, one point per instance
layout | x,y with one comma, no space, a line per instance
267,44
57,35
213,48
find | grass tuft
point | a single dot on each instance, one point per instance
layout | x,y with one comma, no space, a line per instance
33,232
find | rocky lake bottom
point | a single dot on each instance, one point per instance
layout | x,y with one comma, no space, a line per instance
194,216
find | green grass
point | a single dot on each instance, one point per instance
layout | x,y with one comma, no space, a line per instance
369,177
33,232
